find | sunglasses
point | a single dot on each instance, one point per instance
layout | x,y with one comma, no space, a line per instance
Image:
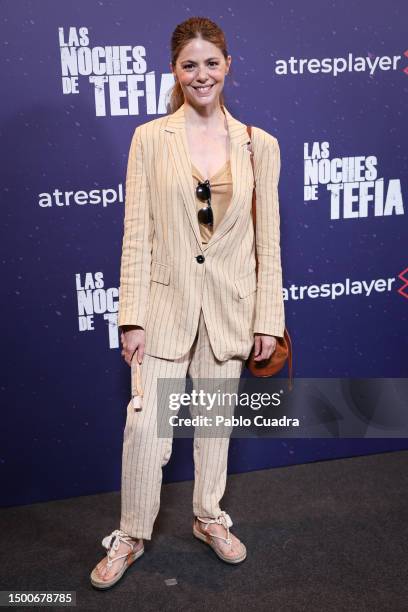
203,193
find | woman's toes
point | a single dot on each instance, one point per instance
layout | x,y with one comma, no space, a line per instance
233,549
99,568
103,571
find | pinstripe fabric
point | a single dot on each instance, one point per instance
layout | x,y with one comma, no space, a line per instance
144,453
162,286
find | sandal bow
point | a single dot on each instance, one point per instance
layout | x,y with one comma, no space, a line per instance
223,519
112,543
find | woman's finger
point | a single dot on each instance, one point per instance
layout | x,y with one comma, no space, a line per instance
140,352
267,347
258,345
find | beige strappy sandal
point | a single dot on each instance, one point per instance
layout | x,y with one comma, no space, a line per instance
112,543
225,520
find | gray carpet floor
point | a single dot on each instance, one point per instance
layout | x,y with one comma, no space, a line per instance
327,536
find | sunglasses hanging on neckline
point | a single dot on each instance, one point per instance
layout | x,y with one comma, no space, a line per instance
203,193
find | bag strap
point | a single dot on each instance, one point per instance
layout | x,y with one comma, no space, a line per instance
253,197
285,333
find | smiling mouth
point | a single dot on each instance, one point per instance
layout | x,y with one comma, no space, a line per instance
202,88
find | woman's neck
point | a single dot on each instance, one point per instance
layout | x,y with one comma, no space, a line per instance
206,117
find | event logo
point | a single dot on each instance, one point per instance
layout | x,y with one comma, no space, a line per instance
404,277
93,299
337,65
338,289
116,74
353,183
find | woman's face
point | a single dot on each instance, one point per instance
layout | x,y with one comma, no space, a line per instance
201,68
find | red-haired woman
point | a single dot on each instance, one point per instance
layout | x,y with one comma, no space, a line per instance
190,299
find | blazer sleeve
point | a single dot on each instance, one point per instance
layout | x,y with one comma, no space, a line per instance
269,314
135,264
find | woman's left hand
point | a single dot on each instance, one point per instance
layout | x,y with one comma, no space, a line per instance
264,346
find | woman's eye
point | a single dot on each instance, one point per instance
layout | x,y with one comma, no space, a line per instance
191,66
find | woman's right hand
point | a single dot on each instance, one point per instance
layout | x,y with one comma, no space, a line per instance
133,340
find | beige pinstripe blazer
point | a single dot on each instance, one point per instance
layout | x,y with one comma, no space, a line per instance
162,284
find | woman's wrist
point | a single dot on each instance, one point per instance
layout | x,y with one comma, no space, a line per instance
126,328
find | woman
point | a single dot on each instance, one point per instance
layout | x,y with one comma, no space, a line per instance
189,299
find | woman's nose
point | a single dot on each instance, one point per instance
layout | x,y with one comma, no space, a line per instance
202,74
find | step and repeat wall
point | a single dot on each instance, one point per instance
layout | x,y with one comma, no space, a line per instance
77,78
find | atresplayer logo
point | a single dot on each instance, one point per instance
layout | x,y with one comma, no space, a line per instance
404,289
335,66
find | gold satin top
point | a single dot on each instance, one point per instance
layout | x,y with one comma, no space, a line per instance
221,194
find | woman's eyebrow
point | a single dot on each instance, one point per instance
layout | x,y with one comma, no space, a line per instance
193,62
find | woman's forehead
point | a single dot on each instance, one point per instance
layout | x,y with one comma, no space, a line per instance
199,49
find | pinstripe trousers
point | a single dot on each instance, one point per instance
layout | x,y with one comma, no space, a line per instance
145,453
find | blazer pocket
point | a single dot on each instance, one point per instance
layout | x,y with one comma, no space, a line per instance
160,273
246,284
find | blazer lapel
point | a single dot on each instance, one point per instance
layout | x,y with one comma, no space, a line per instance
240,165
239,157
178,146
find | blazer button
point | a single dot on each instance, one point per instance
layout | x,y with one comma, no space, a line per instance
200,258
